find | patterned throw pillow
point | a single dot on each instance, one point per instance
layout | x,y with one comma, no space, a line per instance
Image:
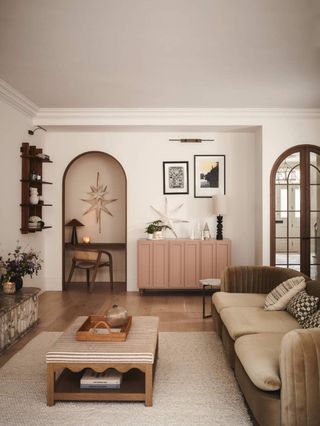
280,296
313,321
302,306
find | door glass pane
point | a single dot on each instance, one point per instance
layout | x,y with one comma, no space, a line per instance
315,251
314,224
287,171
287,214
315,272
315,197
314,168
314,215
281,251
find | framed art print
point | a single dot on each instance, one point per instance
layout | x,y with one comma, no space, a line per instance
209,175
175,177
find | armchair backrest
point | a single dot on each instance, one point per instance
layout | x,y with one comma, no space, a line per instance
83,255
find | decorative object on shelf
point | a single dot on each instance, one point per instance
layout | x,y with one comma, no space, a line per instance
206,232
219,209
175,177
155,228
32,160
117,316
209,175
9,287
34,197
33,175
35,222
18,264
167,216
97,200
86,240
74,236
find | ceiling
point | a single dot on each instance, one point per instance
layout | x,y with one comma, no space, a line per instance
168,53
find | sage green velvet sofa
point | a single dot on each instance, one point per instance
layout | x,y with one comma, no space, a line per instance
275,361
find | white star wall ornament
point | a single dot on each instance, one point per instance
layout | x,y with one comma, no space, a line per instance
167,216
97,201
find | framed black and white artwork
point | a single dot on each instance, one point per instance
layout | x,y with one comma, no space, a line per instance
175,177
209,175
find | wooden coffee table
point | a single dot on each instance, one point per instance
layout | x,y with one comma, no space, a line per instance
136,358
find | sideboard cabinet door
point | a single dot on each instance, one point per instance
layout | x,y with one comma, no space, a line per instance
191,264
176,264
208,259
145,263
160,264
223,256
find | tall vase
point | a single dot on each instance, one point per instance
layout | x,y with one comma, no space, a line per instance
34,197
18,282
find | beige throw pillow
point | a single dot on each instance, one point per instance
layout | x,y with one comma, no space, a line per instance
280,296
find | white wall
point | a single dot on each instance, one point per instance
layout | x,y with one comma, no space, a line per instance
141,155
14,128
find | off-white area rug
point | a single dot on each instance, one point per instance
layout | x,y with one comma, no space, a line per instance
193,386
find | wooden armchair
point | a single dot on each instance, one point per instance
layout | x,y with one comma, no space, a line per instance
91,260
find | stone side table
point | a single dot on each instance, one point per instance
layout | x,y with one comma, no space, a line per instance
18,313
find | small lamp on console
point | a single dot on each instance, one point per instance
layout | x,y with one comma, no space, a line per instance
74,237
219,209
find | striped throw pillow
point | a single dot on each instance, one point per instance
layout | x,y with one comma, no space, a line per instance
280,296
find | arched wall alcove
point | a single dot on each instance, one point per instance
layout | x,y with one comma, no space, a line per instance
79,178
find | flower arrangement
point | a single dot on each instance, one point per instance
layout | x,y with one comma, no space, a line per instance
19,263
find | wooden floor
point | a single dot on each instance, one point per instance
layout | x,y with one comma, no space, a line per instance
177,311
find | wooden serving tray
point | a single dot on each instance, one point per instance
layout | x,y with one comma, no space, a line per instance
94,326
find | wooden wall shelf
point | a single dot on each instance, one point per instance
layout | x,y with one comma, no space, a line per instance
31,163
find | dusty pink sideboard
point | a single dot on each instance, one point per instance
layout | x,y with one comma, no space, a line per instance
180,263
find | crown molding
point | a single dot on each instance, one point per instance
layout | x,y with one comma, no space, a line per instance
18,101
165,116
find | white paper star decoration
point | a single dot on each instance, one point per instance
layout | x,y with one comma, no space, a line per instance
167,216
98,201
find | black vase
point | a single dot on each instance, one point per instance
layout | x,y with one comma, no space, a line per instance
18,282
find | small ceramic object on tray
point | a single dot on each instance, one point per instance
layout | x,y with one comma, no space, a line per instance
117,316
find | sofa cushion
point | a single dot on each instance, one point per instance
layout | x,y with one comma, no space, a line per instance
242,321
223,300
259,356
302,305
280,296
313,321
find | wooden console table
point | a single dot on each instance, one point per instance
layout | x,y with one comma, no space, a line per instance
96,246
18,313
180,263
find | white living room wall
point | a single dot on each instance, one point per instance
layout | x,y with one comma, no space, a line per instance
14,126
141,155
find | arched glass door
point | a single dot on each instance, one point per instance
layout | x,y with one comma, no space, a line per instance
295,210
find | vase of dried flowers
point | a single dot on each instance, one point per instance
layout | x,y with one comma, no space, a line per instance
19,264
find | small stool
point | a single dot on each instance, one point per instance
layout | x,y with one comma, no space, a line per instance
215,284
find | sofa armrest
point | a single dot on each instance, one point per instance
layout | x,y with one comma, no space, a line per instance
254,279
300,379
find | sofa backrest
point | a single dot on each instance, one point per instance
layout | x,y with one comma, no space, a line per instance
313,288
255,279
